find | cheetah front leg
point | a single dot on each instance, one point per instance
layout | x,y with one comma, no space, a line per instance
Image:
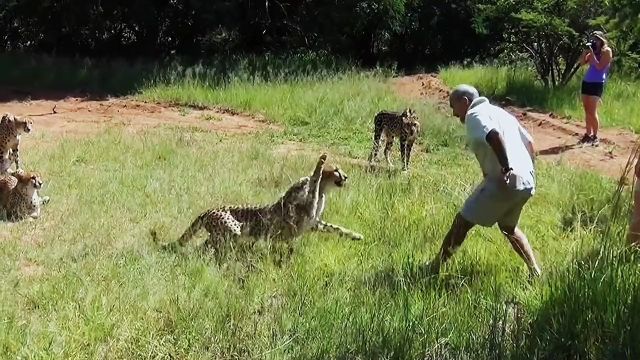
15,156
377,137
403,153
326,227
36,213
408,149
314,187
387,149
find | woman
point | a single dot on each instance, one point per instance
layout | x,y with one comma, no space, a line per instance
599,58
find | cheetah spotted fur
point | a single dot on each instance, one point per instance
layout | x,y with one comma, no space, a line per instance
19,196
11,128
287,218
403,125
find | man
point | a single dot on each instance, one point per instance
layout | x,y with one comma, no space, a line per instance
505,152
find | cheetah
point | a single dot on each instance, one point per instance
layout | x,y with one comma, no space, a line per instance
19,196
11,128
404,125
287,218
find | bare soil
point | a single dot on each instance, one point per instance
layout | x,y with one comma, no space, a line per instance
78,117
556,138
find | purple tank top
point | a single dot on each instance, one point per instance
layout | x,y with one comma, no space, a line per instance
595,75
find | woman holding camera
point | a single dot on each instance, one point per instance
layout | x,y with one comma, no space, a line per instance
598,56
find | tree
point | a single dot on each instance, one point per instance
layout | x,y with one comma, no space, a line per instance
409,33
623,21
551,33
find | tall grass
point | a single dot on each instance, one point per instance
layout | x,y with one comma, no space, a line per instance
104,288
619,107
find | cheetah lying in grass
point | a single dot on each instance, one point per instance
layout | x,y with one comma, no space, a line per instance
19,198
11,128
297,211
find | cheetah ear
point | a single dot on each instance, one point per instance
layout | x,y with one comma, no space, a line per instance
23,177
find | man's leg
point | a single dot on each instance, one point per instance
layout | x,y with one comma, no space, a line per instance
518,240
452,241
521,245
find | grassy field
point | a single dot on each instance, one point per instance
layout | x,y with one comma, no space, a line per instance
619,108
86,281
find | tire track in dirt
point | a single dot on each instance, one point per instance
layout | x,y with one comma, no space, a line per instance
555,137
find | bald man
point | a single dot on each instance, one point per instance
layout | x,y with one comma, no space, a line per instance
505,152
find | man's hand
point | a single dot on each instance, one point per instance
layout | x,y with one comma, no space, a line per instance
497,144
506,173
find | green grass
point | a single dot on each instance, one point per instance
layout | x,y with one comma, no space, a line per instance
619,107
334,111
106,290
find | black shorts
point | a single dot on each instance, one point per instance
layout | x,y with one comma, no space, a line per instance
592,88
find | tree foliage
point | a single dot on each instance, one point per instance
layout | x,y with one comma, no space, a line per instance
552,33
623,20
410,32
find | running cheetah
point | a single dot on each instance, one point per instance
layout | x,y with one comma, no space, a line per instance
11,128
19,196
404,125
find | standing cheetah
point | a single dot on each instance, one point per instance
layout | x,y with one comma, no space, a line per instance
11,128
19,196
404,125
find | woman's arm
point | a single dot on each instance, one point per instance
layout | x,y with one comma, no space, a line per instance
584,58
605,60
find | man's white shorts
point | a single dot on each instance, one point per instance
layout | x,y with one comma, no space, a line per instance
492,203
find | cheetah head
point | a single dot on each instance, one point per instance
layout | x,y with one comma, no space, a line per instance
29,179
24,125
333,176
411,123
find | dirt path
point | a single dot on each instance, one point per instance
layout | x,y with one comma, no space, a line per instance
555,138
80,117
76,116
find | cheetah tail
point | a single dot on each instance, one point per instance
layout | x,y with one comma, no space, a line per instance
195,226
156,240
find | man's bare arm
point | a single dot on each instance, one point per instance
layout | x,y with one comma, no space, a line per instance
497,144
